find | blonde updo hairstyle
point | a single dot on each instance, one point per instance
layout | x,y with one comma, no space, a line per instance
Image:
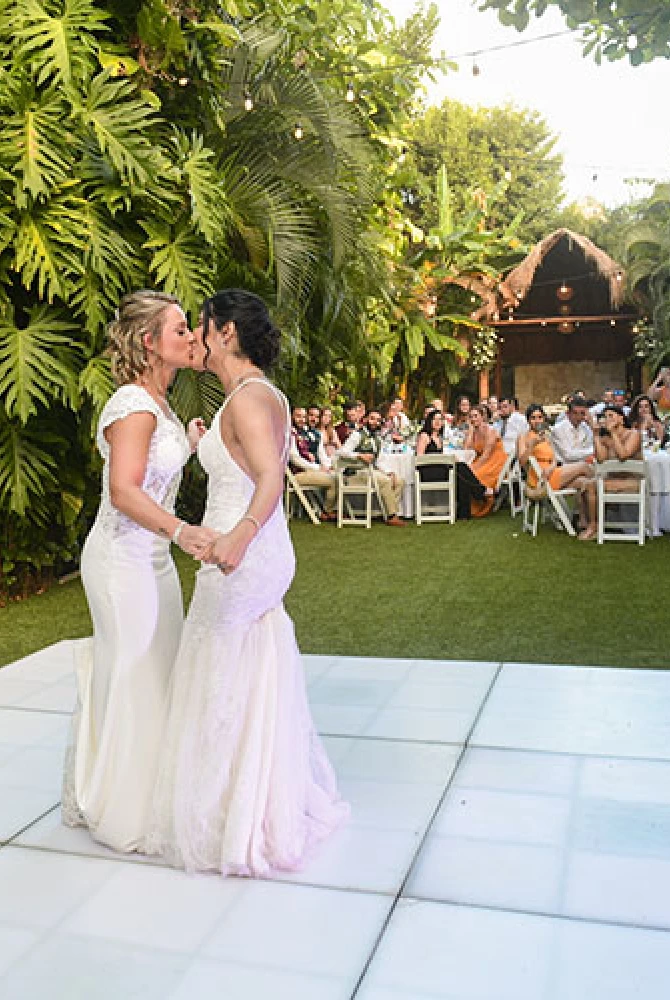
139,313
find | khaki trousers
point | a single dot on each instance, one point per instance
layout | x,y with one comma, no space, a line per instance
322,480
389,495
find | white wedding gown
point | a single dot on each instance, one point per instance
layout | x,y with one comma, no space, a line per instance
245,785
123,671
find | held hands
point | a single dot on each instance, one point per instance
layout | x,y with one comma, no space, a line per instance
195,430
228,550
196,541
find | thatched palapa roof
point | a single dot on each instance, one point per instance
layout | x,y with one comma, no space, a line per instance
516,285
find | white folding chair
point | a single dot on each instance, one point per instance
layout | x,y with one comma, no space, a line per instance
440,496
294,491
635,497
536,498
510,476
355,486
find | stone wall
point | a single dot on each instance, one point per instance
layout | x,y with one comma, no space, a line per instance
548,383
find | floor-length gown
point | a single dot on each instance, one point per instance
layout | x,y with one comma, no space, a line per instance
123,671
245,785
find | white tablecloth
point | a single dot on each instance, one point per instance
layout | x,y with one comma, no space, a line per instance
658,476
402,464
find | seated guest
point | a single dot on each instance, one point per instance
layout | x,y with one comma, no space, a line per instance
331,442
606,400
360,413
436,404
620,401
314,437
490,458
462,409
350,421
511,424
644,418
430,441
493,405
308,468
536,442
614,440
659,392
364,445
401,418
390,427
572,437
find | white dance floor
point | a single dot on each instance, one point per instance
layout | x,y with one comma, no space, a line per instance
510,840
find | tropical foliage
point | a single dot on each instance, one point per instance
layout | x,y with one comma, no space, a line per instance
646,255
612,30
484,146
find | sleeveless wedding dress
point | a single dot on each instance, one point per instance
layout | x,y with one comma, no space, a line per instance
123,671
245,785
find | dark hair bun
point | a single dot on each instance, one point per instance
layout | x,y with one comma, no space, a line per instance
258,337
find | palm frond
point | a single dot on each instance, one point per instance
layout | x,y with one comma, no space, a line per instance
38,363
179,262
121,123
56,36
96,382
48,246
31,140
27,468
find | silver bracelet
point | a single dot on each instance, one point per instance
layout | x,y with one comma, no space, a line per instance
177,532
254,521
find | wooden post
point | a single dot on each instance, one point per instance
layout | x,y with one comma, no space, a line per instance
498,376
484,391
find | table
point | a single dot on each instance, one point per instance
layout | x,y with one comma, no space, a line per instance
402,464
658,478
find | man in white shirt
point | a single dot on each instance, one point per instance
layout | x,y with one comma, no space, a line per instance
363,445
607,400
572,437
307,467
511,424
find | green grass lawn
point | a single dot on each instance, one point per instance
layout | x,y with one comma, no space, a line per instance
474,590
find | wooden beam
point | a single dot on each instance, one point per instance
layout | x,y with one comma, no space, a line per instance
557,320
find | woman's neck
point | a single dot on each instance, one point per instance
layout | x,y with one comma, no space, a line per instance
157,383
232,370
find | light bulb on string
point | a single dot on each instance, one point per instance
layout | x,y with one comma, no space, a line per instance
183,81
350,96
508,174
631,42
298,131
248,101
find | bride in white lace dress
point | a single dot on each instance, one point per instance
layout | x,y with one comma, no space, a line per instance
130,580
245,785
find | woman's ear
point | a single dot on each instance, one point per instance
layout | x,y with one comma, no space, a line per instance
227,333
148,343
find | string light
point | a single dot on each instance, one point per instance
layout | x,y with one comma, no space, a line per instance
631,42
508,174
351,93
298,131
248,101
183,81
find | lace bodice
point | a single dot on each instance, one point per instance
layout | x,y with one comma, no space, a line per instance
168,453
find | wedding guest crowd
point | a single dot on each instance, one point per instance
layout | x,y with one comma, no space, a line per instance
490,434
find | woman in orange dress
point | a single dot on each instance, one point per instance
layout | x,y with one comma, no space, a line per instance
536,443
490,458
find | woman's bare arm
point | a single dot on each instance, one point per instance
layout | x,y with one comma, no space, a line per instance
256,426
